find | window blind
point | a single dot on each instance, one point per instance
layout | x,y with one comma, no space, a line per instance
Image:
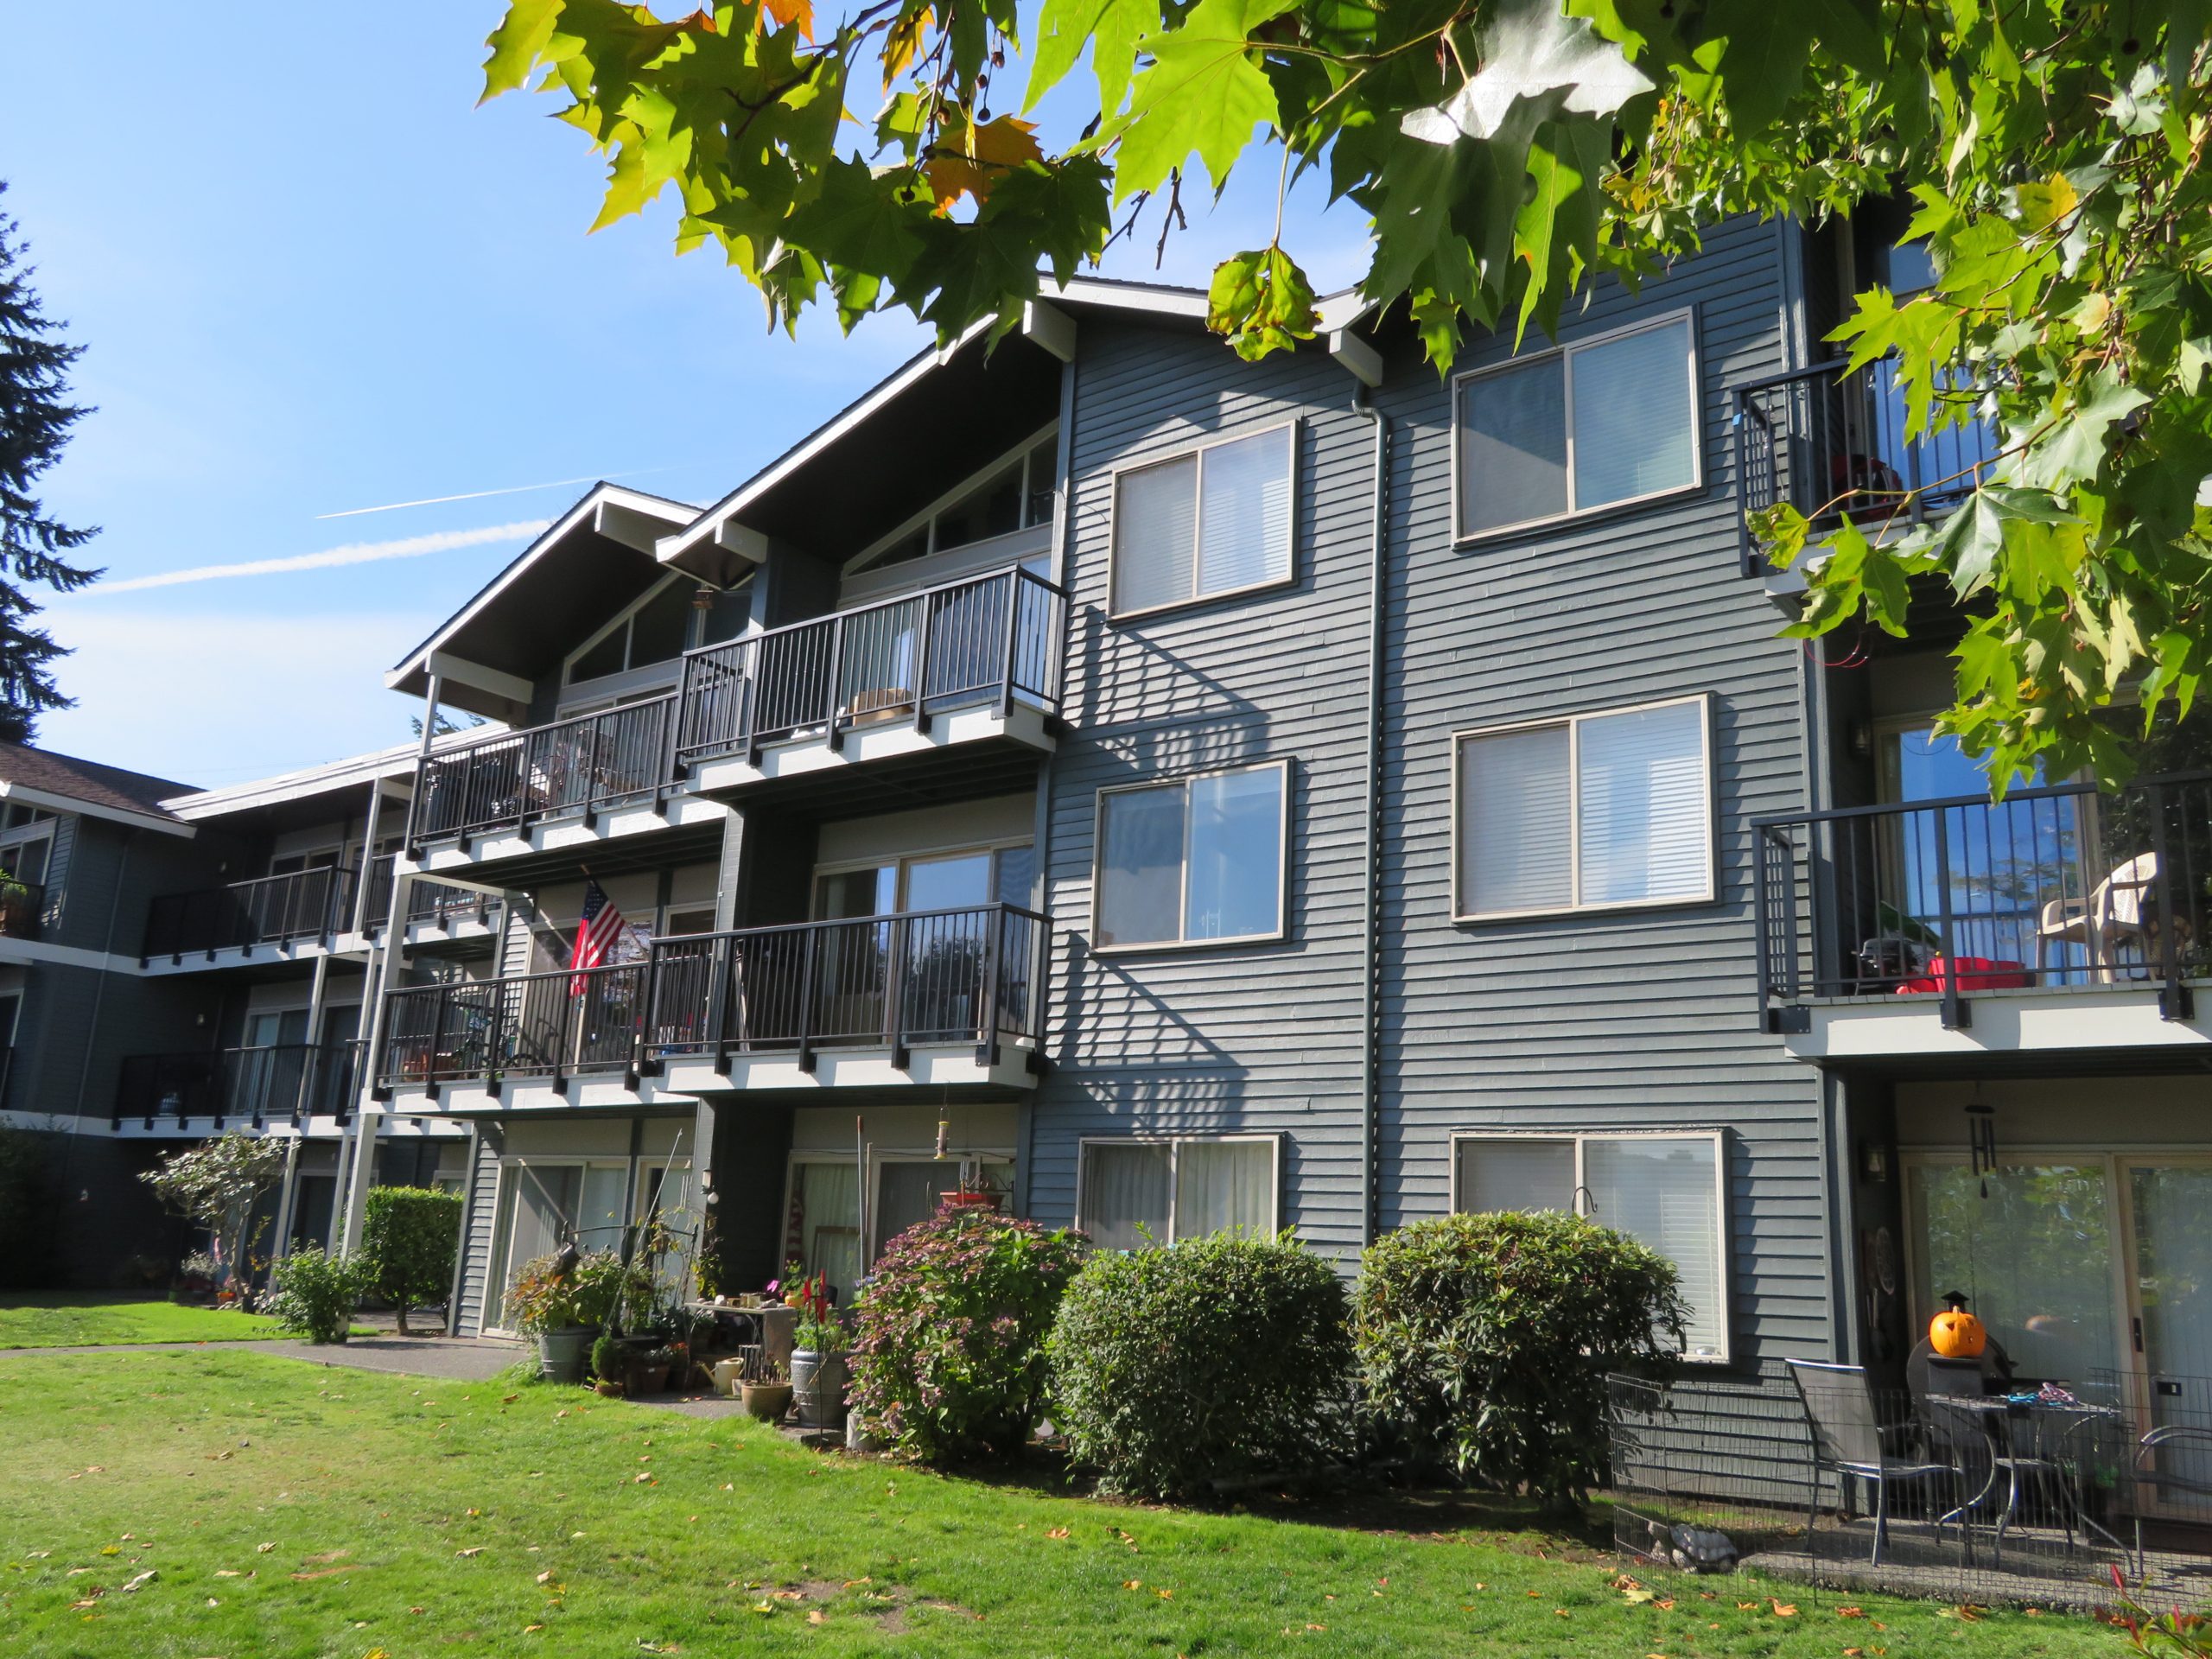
1223,1185
1125,1193
1661,1190
1516,847
1632,415
1515,1174
1155,534
1512,445
1644,829
1244,513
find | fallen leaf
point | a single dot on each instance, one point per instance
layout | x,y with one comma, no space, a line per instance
110,1549
527,1629
546,1577
226,1572
1058,1532
1783,1609
143,1579
331,1554
475,1550
1132,1583
816,1616
1168,1595
263,1549
1851,1612
1665,1604
1639,1595
325,1572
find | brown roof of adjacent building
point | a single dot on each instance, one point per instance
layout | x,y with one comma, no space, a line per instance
87,780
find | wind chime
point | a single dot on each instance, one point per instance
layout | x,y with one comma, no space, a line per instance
1981,1141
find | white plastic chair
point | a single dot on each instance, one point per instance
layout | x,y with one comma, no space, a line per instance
2117,911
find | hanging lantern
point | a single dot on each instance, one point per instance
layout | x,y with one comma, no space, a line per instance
1981,1142
943,1139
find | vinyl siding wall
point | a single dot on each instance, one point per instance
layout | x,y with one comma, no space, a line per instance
1637,1020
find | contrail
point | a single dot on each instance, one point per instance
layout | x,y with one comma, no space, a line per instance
407,547
477,495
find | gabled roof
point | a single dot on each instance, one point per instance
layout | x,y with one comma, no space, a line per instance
40,778
348,776
593,560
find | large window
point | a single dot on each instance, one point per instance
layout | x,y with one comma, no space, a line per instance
1195,861
1134,1192
654,632
1594,424
1590,813
544,1204
1017,495
1663,1190
1214,521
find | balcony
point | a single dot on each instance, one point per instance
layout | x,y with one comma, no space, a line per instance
976,662
2058,918
435,910
1828,443
300,907
287,1082
23,909
944,997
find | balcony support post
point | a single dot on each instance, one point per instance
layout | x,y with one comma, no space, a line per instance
927,626
1956,1015
2175,1000
987,1030
1013,638
371,829
899,951
837,677
814,936
721,976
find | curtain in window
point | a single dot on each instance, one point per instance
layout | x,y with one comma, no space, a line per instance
1223,1186
1244,513
906,1193
1633,420
1516,806
1515,1174
541,1206
1661,1192
598,1221
1125,1191
1513,446
1155,535
1140,866
1644,826
1235,883
827,1224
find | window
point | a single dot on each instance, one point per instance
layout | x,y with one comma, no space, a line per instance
1592,425
1214,521
544,1205
1663,1190
1131,1192
654,632
1197,861
1017,495
1591,812
961,880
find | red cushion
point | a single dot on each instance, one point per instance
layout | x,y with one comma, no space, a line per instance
1975,974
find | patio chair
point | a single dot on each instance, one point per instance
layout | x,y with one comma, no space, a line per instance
1847,1440
2118,910
2179,1435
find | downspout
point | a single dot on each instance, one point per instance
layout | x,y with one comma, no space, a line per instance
1370,979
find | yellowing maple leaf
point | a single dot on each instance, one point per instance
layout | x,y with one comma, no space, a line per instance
970,160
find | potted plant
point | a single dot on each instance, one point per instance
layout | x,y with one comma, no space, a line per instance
817,1358
563,1300
195,1277
606,1366
766,1396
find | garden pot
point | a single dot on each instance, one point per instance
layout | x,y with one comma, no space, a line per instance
767,1402
606,1390
561,1351
818,1385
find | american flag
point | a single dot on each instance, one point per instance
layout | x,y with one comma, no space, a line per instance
596,931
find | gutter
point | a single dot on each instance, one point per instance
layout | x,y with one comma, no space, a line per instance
1370,982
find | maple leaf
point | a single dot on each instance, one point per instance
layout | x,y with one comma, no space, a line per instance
787,12
970,160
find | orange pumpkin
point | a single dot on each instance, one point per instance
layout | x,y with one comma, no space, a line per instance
1956,1334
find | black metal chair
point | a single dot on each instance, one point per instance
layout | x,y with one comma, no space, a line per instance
1848,1442
2167,1480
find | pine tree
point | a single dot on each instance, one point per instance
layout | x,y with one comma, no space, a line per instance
35,415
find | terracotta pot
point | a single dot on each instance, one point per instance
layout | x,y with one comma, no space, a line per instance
608,1390
767,1402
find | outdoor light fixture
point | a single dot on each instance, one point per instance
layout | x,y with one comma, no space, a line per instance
1981,1141
1874,1160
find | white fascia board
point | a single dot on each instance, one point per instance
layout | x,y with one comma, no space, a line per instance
1158,300
1051,328
1340,310
1354,355
50,802
500,684
585,511
357,771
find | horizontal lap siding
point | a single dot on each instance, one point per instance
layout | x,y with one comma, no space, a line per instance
476,1234
1627,1020
1235,1039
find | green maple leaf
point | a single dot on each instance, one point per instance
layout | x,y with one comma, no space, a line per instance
1203,95
1111,29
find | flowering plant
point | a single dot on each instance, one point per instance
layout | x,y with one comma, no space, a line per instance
949,1360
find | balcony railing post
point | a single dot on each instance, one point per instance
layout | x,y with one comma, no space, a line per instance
835,687
438,1038
925,628
1012,637
721,967
814,937
2175,1002
986,1025
1956,1015
898,950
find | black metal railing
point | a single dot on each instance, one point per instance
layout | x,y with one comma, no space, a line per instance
2059,886
993,637
255,1085
943,976
440,903
270,910
23,908
586,764
1829,443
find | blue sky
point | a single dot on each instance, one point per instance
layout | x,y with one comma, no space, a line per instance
313,279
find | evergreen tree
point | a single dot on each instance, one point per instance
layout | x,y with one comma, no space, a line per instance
35,415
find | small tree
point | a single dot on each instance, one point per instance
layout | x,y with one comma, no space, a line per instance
1487,1339
409,1237
315,1294
216,1185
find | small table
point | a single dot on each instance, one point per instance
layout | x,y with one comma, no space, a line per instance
2049,1423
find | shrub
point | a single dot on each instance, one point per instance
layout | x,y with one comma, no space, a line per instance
607,1358
596,1287
1486,1341
1211,1358
315,1294
948,1361
410,1238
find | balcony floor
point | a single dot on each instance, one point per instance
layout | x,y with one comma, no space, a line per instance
2041,1019
966,752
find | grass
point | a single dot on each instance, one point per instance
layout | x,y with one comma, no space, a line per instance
289,1510
80,1318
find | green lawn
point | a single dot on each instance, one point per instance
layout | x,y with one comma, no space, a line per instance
283,1509
79,1318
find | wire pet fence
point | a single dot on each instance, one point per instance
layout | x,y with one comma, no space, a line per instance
1825,1481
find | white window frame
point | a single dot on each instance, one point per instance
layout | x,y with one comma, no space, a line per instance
1574,723
1461,535
622,620
925,520
1113,478
1183,891
495,1287
1272,1142
1580,1139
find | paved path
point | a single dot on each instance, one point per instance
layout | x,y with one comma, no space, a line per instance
459,1359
